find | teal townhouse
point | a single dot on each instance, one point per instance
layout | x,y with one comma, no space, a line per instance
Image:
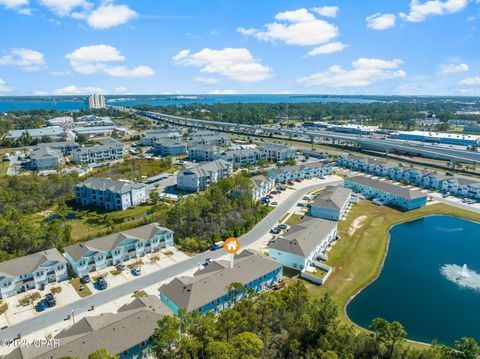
207,290
300,246
386,193
33,271
463,187
331,203
125,334
367,165
100,253
434,180
308,170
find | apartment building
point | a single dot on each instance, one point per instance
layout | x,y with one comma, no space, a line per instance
103,252
303,171
331,203
207,290
33,271
42,158
168,147
104,150
110,194
299,247
276,152
200,177
203,153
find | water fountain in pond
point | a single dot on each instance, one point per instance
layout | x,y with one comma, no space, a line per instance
461,276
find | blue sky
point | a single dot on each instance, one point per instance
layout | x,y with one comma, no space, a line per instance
390,47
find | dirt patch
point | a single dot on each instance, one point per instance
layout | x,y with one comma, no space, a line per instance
356,224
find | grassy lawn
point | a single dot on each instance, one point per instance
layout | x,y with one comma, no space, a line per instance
4,167
357,259
135,168
82,290
294,219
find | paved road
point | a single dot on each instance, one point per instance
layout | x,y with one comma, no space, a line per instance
54,316
460,205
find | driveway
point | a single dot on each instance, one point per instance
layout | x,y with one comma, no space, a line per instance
81,306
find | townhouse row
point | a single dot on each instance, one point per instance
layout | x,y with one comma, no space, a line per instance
303,171
36,271
458,186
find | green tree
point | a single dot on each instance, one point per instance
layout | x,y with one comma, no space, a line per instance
166,337
248,345
467,348
101,354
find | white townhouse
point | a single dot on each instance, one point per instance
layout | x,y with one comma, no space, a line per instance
200,177
104,150
212,140
33,271
261,186
463,187
110,194
303,242
331,203
308,170
103,252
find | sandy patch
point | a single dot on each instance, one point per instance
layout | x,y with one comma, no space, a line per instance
356,224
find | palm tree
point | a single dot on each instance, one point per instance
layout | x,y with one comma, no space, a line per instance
234,289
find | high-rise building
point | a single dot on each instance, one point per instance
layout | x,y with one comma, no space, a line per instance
96,101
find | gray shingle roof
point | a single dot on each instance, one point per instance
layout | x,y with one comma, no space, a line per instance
302,238
387,187
205,286
133,324
29,263
258,180
45,152
207,168
110,242
332,197
103,184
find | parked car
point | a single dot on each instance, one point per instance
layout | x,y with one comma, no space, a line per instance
121,266
269,196
274,203
207,262
298,180
136,271
50,299
102,283
275,230
274,192
217,245
265,200
41,305
306,198
85,279
290,183
282,226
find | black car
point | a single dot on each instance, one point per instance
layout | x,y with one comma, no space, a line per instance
50,299
101,283
275,231
85,279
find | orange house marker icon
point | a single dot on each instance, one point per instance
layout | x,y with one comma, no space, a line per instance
231,245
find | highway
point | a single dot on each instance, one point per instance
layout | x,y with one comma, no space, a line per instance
81,306
385,145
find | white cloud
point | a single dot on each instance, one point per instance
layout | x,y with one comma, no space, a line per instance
298,27
454,68
41,93
110,15
66,7
3,87
27,59
328,11
327,49
471,81
419,11
380,21
223,92
75,90
365,72
235,64
94,59
120,89
60,73
207,80
19,6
